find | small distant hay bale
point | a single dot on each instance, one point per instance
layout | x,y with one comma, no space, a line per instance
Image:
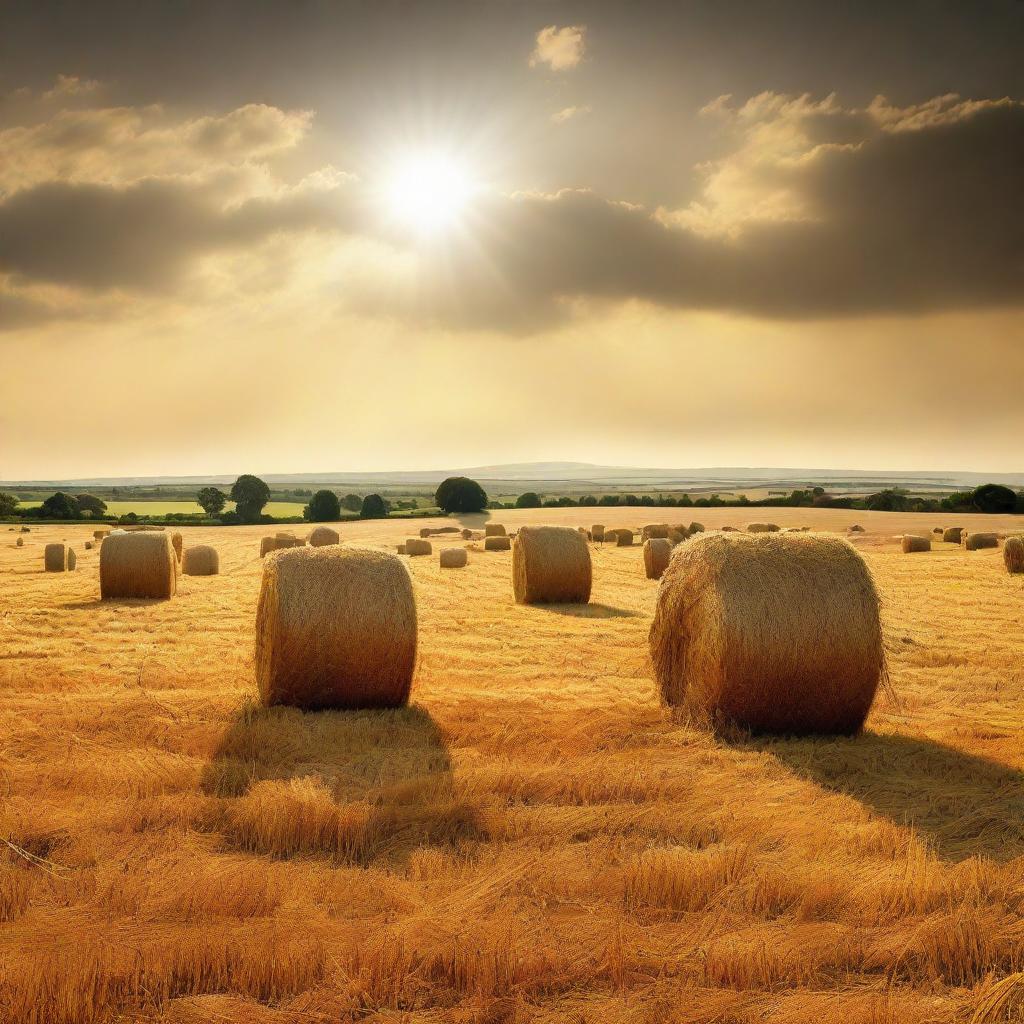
100,534
494,530
657,554
952,535
762,528
322,536
267,544
914,543
938,530
620,538
26,529
856,528
20,542
176,543
551,565
467,534
416,546
335,628
976,541
454,558
658,530
88,545
400,549
138,565
696,528
55,558
425,531
201,560
730,529
597,532
72,560
1013,554
675,537
495,543
736,636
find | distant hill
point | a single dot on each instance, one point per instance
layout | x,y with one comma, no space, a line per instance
583,473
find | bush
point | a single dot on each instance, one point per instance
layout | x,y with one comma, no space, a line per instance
889,500
59,506
685,501
211,500
588,500
250,494
994,498
373,507
323,507
459,495
352,502
531,499
8,504
609,499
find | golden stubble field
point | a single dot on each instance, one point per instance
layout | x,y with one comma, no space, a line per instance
535,838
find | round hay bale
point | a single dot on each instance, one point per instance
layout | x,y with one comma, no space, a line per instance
322,536
267,544
454,558
138,565
335,628
738,632
425,531
856,528
675,537
938,530
1013,554
176,543
20,542
976,541
494,543
659,530
55,558
657,553
100,534
620,538
494,530
913,543
551,565
730,529
597,532
72,560
952,535
201,560
400,549
467,534
762,528
695,528
88,545
26,529
416,546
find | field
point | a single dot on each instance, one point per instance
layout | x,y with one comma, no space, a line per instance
281,509
536,838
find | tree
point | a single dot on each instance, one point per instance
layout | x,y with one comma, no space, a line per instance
250,494
993,498
352,502
323,507
212,500
609,499
8,503
91,504
892,499
531,499
460,495
686,501
630,499
588,500
59,506
373,507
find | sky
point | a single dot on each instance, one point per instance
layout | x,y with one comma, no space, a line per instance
270,237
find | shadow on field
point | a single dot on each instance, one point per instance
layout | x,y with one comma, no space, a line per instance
589,611
356,786
961,803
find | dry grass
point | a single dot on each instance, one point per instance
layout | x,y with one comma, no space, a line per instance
535,838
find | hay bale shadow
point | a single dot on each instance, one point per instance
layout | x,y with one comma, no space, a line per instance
961,804
592,610
355,786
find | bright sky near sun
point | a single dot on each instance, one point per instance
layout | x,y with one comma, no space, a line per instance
359,237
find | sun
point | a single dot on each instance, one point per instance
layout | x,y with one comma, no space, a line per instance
428,191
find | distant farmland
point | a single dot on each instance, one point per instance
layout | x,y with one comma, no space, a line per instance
280,509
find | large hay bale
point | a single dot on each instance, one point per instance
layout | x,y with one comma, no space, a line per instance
1013,554
201,560
597,532
551,565
416,546
176,543
55,558
762,528
494,530
654,530
774,633
138,565
493,543
911,543
657,554
953,535
322,536
267,544
335,628
454,558
976,541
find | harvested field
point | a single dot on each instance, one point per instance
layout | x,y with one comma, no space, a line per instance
535,838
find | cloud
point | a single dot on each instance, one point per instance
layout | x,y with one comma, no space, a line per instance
563,115
561,49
